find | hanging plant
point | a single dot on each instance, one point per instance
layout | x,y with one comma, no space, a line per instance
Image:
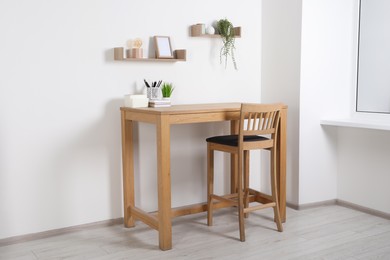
226,30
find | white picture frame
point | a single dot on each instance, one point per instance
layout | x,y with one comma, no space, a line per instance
163,47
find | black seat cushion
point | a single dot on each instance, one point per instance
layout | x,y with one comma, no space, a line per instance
232,140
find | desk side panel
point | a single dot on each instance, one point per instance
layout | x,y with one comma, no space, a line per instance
141,117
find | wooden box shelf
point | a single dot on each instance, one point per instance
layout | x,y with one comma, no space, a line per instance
179,55
196,31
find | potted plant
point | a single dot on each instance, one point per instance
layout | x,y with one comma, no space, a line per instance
226,30
167,90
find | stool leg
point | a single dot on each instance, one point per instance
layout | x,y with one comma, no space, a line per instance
274,189
246,181
210,184
240,199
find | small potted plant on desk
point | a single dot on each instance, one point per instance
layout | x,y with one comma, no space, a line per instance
167,90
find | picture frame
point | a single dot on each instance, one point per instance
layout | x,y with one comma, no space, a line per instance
163,47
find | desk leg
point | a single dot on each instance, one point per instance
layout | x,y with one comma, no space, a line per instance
281,161
128,169
164,183
234,124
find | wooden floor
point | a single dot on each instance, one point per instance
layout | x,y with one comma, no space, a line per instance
328,232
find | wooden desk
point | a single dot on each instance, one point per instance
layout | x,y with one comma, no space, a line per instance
163,118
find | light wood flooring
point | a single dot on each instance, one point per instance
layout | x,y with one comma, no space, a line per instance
328,232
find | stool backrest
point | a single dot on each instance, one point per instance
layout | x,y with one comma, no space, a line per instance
259,119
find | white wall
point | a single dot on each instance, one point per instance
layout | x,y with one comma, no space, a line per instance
280,82
327,74
60,93
363,176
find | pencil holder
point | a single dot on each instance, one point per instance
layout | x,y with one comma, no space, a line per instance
152,93
155,93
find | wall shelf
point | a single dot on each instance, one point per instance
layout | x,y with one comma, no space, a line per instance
357,123
196,31
179,55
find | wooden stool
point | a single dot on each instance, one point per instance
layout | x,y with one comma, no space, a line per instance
258,130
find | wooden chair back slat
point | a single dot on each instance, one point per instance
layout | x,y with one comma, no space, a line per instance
259,119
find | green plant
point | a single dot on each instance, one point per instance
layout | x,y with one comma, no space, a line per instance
167,90
226,30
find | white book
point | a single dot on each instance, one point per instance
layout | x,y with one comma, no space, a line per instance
159,105
159,101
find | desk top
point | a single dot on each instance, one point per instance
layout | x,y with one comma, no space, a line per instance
184,114
186,109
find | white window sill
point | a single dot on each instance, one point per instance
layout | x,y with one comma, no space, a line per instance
358,123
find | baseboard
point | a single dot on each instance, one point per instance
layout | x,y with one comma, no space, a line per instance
312,205
340,203
292,205
363,209
60,231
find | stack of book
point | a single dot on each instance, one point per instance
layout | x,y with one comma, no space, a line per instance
159,103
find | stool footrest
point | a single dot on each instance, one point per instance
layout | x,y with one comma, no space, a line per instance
260,197
226,198
257,207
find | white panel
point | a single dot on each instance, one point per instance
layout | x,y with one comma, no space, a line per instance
364,165
327,76
281,53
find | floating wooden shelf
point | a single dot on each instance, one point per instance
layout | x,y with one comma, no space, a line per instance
196,31
179,55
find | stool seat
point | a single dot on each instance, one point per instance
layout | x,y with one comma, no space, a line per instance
232,140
